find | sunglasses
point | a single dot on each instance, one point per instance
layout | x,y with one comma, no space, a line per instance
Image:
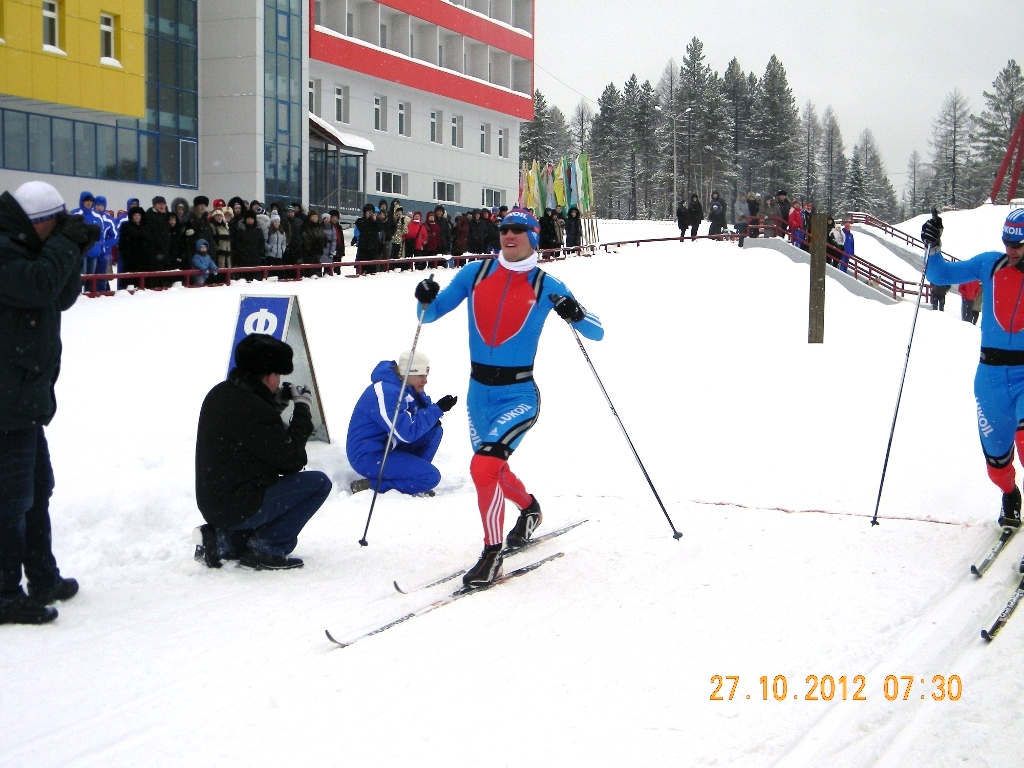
515,229
1014,243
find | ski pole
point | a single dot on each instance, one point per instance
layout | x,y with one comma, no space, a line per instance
930,250
675,534
394,419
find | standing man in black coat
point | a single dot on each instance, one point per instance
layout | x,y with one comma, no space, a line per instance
682,219
716,214
159,231
368,245
696,211
250,486
41,251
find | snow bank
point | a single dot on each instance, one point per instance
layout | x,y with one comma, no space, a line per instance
766,450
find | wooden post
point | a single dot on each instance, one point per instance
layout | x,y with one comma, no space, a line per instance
816,304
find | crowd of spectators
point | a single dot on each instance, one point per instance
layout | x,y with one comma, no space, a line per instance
240,233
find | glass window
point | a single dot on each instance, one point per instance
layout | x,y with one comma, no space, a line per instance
64,146
189,163
169,160
282,26
16,140
152,59
377,122
107,36
168,110
167,22
151,120
350,25
270,163
1,138
51,31
150,17
401,119
433,126
187,21
148,157
127,155
311,96
187,77
85,149
39,144
341,104
106,152
187,113
383,35
168,62
282,117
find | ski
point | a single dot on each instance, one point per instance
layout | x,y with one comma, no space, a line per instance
506,553
456,595
1018,594
990,558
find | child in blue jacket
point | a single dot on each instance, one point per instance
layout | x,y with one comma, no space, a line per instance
201,260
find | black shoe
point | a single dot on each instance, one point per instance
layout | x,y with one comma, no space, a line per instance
487,568
64,589
261,561
19,608
205,539
529,521
425,495
362,484
1011,509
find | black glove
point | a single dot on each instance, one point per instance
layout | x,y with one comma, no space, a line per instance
447,402
568,308
931,232
427,290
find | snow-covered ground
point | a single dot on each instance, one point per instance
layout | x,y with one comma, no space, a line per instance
766,450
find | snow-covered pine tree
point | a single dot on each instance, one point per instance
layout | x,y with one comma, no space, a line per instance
832,164
878,190
915,193
606,158
777,123
535,137
995,125
736,93
561,140
855,192
580,125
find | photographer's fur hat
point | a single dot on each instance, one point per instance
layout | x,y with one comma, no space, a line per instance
260,355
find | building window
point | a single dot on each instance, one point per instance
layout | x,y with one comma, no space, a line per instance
390,183
446,192
440,55
317,12
405,118
503,142
51,25
457,132
310,96
491,198
341,104
383,35
380,113
108,50
485,138
436,121
350,25
401,119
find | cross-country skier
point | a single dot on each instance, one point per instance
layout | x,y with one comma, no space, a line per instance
999,382
509,300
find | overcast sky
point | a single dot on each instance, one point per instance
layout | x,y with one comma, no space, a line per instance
881,65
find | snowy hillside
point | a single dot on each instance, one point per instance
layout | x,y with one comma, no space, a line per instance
766,450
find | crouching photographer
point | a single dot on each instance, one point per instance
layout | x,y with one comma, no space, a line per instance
41,250
250,486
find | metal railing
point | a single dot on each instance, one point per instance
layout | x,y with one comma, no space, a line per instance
866,218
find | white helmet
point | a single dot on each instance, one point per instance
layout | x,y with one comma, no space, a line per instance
39,200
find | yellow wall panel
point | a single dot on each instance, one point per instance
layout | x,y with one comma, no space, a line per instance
70,79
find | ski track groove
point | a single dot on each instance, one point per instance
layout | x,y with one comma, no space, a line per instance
843,738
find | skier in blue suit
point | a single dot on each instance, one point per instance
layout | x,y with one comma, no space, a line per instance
417,431
999,382
509,299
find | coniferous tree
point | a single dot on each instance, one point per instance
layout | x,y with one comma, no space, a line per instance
777,121
606,153
951,151
561,141
879,195
736,93
694,75
535,137
810,148
995,125
580,126
832,164
855,193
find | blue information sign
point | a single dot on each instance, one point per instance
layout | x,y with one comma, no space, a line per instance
261,314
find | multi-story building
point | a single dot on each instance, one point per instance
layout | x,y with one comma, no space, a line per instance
329,101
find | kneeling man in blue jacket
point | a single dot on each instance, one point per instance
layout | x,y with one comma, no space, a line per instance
417,431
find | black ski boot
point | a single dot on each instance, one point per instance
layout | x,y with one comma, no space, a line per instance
360,485
64,589
529,521
487,568
19,608
261,561
205,539
1011,509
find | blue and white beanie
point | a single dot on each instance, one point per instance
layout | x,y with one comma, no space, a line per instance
39,200
523,218
1013,229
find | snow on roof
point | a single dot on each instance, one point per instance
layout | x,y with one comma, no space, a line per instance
345,139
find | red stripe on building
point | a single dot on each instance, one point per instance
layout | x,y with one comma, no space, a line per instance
457,19
387,66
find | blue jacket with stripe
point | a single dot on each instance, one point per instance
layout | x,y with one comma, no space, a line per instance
371,418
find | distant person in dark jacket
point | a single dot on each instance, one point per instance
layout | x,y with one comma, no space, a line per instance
696,211
248,247
135,247
368,241
548,231
753,210
573,229
716,214
682,219
41,250
250,486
